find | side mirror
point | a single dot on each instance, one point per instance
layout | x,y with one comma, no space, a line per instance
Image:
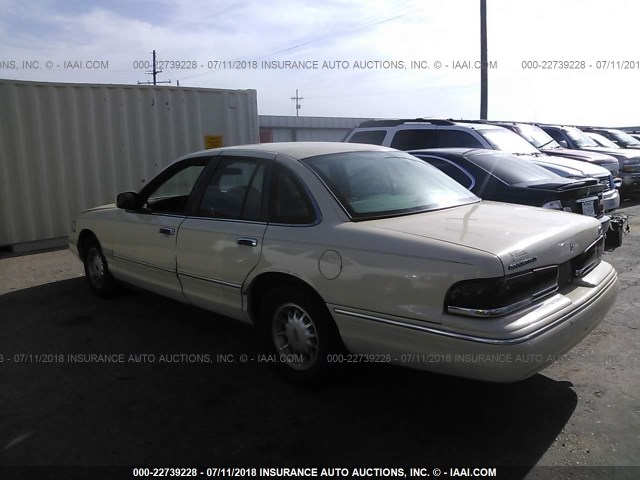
128,201
563,144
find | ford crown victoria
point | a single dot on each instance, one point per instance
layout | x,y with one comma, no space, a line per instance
333,246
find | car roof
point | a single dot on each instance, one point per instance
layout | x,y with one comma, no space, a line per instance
298,150
591,127
417,122
556,125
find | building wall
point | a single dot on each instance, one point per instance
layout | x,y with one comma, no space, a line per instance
306,129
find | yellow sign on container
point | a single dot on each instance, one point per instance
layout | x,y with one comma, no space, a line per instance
212,141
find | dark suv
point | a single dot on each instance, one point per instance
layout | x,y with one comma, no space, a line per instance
502,177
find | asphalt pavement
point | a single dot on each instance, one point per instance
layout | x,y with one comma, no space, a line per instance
144,380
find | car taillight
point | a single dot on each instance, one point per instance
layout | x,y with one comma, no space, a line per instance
589,259
493,297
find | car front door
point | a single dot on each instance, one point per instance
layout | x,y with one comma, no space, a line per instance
145,239
220,242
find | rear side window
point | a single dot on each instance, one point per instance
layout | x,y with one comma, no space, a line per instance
557,135
372,137
289,202
234,191
457,138
454,171
415,139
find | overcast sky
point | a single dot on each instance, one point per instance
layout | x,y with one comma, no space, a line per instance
196,33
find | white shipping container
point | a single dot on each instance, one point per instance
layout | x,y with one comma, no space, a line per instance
68,147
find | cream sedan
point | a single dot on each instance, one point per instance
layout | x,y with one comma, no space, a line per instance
344,252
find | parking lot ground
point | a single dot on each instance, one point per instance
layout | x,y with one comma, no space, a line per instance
170,388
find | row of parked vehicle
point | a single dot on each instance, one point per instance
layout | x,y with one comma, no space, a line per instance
581,170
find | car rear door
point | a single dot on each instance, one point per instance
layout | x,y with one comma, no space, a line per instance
220,241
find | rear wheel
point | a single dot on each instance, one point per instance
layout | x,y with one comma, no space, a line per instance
299,333
97,272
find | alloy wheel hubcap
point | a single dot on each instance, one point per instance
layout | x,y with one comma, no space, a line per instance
96,268
295,336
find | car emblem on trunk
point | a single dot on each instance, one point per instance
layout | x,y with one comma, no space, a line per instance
522,263
519,261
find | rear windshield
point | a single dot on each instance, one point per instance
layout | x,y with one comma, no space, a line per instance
379,184
510,168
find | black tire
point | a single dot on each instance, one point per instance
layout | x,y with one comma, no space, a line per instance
298,334
97,272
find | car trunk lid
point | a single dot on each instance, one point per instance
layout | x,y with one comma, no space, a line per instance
521,237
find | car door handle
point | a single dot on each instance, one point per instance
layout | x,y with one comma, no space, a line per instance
167,230
251,242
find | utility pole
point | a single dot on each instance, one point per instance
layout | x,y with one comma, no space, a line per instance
297,99
484,76
154,72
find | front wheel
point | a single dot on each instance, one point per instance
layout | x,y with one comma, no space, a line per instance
97,272
299,334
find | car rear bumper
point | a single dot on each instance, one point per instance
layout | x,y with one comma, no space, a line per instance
535,338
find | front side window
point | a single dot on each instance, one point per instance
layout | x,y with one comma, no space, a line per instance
234,190
379,184
172,194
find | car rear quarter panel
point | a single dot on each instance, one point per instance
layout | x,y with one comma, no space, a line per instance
353,266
